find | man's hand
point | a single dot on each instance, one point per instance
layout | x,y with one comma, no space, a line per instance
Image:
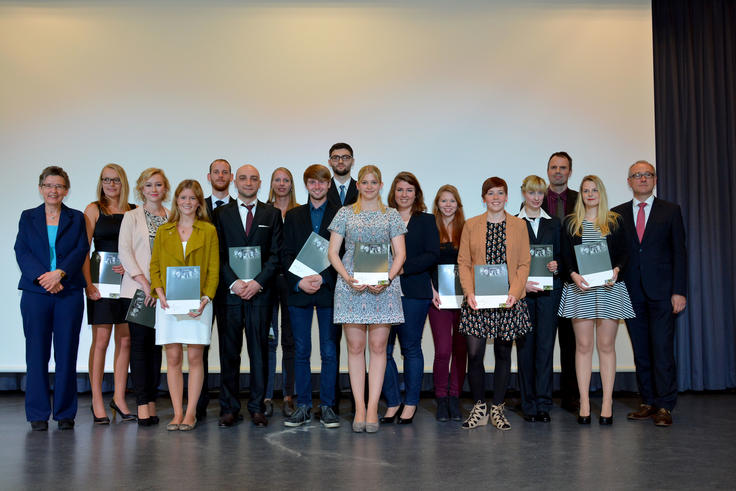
678,303
251,289
310,284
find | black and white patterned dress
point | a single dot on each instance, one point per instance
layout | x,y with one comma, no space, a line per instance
599,302
505,324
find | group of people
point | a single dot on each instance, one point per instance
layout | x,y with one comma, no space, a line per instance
645,238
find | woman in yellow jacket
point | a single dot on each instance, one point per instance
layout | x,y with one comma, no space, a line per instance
187,239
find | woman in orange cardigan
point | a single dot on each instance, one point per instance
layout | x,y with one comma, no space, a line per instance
187,239
495,237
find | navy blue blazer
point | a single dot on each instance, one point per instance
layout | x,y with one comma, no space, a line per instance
266,232
422,253
297,228
616,241
657,264
548,233
34,256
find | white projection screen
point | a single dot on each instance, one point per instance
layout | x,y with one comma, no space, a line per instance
453,91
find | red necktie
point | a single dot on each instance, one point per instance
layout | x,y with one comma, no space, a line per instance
640,221
249,219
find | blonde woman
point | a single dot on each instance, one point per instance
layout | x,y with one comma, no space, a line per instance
595,312
103,218
362,308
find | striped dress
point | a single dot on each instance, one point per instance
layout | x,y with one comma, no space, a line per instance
600,302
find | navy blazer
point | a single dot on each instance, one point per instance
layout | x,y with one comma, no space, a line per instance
34,256
657,264
266,232
351,193
616,241
548,233
422,253
297,228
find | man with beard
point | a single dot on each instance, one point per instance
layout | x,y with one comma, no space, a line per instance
343,190
220,176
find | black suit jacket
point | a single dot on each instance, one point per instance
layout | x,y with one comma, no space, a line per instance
572,197
208,202
657,264
351,193
616,241
422,253
266,232
297,228
548,233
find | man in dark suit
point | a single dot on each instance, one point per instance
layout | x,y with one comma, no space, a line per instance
558,202
220,176
343,190
656,277
310,292
246,222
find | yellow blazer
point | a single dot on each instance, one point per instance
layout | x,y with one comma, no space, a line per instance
203,250
473,251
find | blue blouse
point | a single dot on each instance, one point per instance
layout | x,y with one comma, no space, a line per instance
51,230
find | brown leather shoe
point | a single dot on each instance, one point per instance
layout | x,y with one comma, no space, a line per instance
227,420
645,412
663,417
259,420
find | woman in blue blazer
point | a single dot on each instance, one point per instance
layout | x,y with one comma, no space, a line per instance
50,248
422,254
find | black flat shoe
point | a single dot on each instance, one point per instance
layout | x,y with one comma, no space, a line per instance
145,422
123,416
583,420
39,425
391,419
543,416
605,420
99,421
66,424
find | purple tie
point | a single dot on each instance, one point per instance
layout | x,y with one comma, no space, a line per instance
640,221
249,219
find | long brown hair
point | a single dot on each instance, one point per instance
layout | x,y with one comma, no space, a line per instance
103,202
292,193
197,190
418,206
606,221
458,221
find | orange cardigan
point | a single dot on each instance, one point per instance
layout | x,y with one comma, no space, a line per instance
473,251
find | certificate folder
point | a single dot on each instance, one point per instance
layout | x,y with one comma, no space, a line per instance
541,256
448,284
245,261
491,285
312,259
139,313
594,262
182,289
370,263
104,278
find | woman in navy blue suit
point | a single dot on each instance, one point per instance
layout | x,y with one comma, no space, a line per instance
422,254
50,248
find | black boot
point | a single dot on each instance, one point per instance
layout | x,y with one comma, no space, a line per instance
443,409
454,408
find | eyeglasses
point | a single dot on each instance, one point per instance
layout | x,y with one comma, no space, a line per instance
337,158
57,187
639,175
110,180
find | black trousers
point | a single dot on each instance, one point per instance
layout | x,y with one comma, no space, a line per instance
145,363
254,320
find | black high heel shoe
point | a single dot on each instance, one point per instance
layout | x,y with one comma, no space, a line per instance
605,420
583,420
145,422
390,419
407,421
123,416
99,421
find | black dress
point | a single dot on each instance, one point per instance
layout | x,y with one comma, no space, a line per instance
105,238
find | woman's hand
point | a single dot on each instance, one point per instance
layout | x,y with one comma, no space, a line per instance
146,287
435,298
50,279
614,277
579,281
376,289
471,302
510,301
119,269
354,284
552,266
162,298
533,287
92,292
202,303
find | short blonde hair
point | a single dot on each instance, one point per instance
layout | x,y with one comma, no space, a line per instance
146,175
533,183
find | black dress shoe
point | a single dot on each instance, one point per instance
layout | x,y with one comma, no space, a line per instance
543,416
99,421
605,420
583,420
123,416
259,420
66,424
227,420
530,418
391,419
39,425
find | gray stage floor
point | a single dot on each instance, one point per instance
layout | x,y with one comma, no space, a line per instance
696,452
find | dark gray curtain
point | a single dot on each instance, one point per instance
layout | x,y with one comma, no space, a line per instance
695,120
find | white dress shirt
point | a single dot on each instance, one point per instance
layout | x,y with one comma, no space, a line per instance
647,209
534,221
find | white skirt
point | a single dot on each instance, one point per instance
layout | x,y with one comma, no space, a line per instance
174,328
